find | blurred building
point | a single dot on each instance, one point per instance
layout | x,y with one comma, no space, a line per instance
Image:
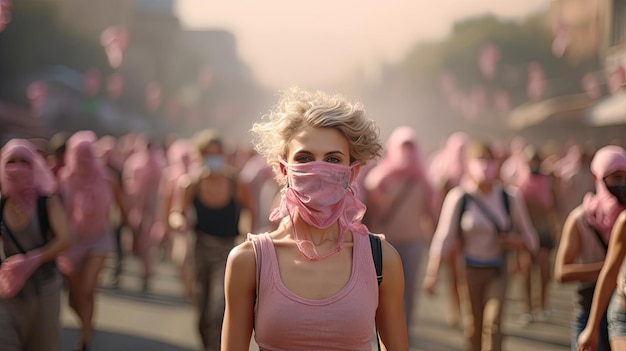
586,33
197,75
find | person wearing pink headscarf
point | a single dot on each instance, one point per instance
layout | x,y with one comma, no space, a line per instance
536,185
87,190
445,171
180,164
487,221
586,234
399,203
142,174
611,285
30,285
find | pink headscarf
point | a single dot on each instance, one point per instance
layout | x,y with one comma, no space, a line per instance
179,159
449,163
85,185
537,189
602,209
143,167
400,162
25,182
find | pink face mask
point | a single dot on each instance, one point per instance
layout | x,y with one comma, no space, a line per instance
318,190
482,171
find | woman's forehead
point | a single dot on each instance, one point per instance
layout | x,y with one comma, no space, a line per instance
318,140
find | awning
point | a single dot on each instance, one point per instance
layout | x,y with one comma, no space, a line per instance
534,113
609,111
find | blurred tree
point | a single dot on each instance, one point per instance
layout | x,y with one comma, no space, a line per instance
471,78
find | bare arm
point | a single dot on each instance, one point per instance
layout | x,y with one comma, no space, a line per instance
182,199
244,197
59,228
390,319
606,281
240,290
565,270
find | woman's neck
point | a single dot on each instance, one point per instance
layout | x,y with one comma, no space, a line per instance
485,188
316,235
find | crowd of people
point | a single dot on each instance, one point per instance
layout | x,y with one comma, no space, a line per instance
280,240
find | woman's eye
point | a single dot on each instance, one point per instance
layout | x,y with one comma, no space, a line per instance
333,160
303,159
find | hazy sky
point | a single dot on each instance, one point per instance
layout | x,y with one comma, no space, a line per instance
315,44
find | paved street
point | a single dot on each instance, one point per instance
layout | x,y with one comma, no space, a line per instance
163,321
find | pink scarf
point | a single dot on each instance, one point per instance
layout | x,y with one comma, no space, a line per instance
602,208
24,182
85,185
402,160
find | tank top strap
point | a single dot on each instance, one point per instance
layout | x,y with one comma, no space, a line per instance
266,260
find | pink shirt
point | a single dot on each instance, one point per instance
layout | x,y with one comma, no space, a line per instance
479,236
286,321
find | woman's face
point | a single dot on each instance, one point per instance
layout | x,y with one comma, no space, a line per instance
319,144
483,168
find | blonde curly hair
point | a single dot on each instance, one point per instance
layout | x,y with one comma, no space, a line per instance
298,108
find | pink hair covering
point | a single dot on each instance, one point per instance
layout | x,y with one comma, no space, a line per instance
21,182
142,173
514,168
179,159
449,163
399,162
536,189
602,209
85,185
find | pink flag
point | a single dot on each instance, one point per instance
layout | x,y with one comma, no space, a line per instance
488,60
536,83
114,40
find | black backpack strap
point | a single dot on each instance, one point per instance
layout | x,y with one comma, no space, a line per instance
506,201
462,206
8,232
42,215
377,255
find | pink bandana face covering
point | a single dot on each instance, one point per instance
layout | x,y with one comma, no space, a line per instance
320,192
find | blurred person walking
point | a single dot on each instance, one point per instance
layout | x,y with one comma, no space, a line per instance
400,204
445,171
536,187
583,246
487,221
142,174
216,198
88,190
181,164
34,231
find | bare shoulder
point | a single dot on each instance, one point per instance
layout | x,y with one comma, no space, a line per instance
242,256
390,254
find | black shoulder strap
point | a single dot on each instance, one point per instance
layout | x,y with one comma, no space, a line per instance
506,201
491,217
42,215
377,255
463,206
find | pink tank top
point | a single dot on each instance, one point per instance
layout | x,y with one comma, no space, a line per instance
285,321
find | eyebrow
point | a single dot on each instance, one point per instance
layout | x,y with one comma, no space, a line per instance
334,152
